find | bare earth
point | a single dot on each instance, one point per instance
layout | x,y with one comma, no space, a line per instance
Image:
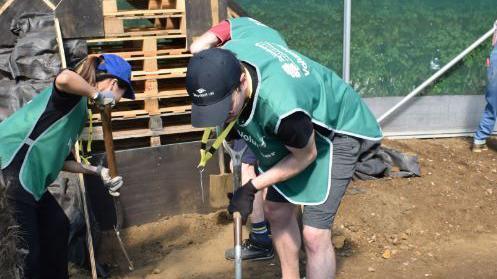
441,225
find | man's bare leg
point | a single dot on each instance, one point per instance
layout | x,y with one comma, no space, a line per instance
321,263
286,236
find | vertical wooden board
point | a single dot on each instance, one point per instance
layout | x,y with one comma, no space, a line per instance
158,182
223,10
81,18
199,17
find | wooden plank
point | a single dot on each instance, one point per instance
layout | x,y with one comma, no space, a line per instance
60,43
133,114
80,19
5,6
112,25
141,133
157,54
199,16
169,56
215,12
160,95
49,4
160,74
140,13
137,32
136,38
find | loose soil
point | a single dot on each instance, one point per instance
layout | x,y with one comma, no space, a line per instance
440,225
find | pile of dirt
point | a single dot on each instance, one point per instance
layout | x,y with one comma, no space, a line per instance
441,225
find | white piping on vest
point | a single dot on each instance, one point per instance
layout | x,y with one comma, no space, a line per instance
319,123
27,136
329,179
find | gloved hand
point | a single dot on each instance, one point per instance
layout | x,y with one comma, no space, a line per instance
113,184
242,200
104,98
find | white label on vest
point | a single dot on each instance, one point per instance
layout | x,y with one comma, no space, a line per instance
259,145
292,64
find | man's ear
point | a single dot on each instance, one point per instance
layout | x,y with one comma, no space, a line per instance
243,81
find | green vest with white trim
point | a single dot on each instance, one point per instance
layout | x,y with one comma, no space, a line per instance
290,82
47,153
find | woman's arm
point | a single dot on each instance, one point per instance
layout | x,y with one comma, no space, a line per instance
72,83
75,167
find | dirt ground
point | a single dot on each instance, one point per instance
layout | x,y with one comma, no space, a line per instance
441,225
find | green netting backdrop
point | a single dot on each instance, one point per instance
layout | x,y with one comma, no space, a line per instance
396,44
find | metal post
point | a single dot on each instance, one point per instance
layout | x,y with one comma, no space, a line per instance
347,14
236,158
437,74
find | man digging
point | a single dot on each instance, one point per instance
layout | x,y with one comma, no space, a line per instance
304,124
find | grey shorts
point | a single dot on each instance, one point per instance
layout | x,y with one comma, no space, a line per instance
346,151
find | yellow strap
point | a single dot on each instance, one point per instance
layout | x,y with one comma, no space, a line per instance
90,131
84,159
205,154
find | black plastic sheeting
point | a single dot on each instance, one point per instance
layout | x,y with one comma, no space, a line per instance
378,161
30,64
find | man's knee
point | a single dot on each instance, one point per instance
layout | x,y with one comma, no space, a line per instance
316,240
277,212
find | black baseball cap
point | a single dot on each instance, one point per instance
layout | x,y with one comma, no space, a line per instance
212,76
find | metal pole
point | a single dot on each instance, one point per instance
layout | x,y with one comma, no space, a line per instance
236,158
347,14
437,74
220,153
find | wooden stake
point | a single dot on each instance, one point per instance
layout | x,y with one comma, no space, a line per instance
5,6
215,11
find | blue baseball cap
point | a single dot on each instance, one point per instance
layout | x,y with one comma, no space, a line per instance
119,68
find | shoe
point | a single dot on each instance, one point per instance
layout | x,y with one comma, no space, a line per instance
251,251
477,148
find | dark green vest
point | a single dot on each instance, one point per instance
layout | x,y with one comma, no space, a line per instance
290,82
46,155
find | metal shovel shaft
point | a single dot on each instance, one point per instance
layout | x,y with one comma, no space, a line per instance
236,158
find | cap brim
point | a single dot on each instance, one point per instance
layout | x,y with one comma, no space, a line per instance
129,93
211,115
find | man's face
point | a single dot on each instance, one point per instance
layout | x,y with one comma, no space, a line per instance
238,99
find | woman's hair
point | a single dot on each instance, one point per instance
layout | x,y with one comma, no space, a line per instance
87,69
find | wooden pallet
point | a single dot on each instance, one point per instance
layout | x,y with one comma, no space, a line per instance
143,22
151,4
163,111
145,14
155,64
147,136
143,46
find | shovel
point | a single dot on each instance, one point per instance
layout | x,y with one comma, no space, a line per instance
219,184
111,162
